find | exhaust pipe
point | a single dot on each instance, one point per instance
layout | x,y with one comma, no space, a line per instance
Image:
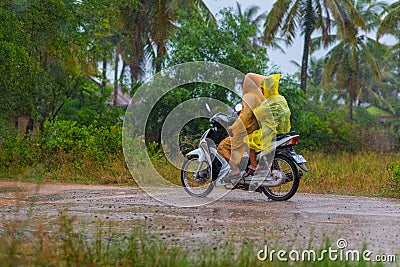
265,183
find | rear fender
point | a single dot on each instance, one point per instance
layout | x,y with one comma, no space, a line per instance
290,154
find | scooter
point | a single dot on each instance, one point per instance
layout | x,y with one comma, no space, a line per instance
278,175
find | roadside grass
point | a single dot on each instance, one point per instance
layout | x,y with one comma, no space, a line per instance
361,174
73,169
105,247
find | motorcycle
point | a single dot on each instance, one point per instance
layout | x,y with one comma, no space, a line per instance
278,175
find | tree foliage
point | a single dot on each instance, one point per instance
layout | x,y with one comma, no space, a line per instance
58,58
288,17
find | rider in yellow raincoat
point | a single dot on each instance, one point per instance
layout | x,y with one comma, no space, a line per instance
273,116
232,148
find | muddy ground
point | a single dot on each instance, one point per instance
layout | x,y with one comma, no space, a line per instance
305,219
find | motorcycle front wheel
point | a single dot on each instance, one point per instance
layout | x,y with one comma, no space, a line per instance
286,190
196,177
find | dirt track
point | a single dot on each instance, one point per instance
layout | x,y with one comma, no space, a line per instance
237,216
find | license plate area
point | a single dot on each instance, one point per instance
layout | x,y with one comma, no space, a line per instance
299,159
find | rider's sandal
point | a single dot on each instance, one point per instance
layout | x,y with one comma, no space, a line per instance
249,172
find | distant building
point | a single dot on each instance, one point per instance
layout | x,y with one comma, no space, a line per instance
380,114
123,98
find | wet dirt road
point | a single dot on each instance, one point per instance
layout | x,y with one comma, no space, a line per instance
305,219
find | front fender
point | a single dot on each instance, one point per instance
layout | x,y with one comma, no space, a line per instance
199,153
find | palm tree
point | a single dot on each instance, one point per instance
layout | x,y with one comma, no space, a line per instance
251,15
139,30
148,27
391,22
351,64
346,64
391,25
287,16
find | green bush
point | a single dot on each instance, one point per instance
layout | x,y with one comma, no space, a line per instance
87,107
6,128
332,133
314,132
18,151
61,144
93,141
395,182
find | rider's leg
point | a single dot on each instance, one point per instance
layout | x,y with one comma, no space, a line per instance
224,149
253,163
234,169
253,159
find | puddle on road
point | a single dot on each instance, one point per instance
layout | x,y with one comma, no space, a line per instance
11,189
238,216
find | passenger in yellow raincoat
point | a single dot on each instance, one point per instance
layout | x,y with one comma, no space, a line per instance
232,148
274,117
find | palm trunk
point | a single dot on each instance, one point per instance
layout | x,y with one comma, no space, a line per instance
134,70
351,112
121,76
138,49
103,75
161,51
309,27
116,81
398,71
353,89
304,64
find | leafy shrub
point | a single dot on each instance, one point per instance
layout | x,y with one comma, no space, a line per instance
88,107
395,182
314,132
18,151
92,141
6,129
332,133
64,150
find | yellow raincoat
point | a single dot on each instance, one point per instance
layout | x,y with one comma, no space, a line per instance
273,115
232,148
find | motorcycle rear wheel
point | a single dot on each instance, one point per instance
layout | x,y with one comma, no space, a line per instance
286,190
193,185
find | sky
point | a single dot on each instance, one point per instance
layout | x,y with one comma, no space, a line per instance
294,52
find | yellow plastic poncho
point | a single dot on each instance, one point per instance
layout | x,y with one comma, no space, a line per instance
273,115
233,148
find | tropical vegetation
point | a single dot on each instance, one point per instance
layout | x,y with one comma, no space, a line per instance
65,63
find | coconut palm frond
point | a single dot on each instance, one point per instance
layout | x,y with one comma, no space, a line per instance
390,22
333,57
382,102
290,24
319,42
274,20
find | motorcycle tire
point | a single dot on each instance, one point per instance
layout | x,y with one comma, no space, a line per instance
293,177
207,183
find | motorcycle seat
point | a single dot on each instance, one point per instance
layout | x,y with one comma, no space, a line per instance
281,136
